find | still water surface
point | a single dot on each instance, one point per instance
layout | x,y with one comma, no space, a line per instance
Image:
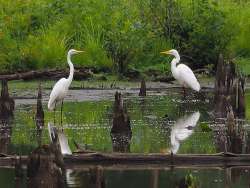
161,122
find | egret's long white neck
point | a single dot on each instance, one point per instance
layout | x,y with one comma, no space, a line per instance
71,68
173,64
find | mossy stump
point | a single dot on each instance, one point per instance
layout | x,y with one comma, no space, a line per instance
7,104
39,117
44,168
143,89
229,89
121,131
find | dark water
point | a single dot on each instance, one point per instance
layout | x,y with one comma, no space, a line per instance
161,122
146,178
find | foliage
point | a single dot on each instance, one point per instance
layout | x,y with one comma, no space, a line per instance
120,35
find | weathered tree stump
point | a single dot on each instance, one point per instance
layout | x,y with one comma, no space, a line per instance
121,121
39,109
45,168
121,131
7,103
232,138
143,88
5,138
229,89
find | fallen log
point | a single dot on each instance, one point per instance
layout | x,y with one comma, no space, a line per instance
213,160
79,74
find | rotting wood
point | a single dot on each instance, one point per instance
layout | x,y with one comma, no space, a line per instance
121,120
121,133
39,117
214,160
143,88
229,89
79,74
44,168
7,104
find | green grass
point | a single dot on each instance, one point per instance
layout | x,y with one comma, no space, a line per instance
37,34
243,65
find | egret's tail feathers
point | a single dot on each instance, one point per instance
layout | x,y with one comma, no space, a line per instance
51,105
196,86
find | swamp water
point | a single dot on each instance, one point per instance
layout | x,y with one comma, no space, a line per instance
161,122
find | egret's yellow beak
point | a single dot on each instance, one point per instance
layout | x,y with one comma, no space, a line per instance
165,52
79,51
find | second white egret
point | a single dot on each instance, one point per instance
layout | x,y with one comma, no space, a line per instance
182,73
61,87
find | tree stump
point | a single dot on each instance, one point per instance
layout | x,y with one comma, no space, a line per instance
44,169
121,131
39,117
7,103
229,89
143,88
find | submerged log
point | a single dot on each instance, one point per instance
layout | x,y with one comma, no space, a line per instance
208,160
229,89
121,133
7,103
79,74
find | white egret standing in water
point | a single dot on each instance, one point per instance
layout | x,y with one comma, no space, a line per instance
182,73
182,129
61,87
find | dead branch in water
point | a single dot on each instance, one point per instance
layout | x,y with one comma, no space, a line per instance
79,74
220,159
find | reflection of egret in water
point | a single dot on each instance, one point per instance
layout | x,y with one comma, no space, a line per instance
58,135
182,129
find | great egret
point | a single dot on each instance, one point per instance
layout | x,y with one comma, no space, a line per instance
182,129
57,135
182,73
61,87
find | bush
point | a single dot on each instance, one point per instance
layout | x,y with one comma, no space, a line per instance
120,35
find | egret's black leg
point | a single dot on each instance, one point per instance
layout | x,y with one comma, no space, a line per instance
61,111
55,114
184,92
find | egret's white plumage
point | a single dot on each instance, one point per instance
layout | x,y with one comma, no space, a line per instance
58,135
61,88
182,129
182,73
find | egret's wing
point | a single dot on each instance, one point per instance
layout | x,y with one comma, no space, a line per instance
56,92
187,76
63,141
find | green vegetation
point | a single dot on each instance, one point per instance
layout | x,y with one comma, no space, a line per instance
121,36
